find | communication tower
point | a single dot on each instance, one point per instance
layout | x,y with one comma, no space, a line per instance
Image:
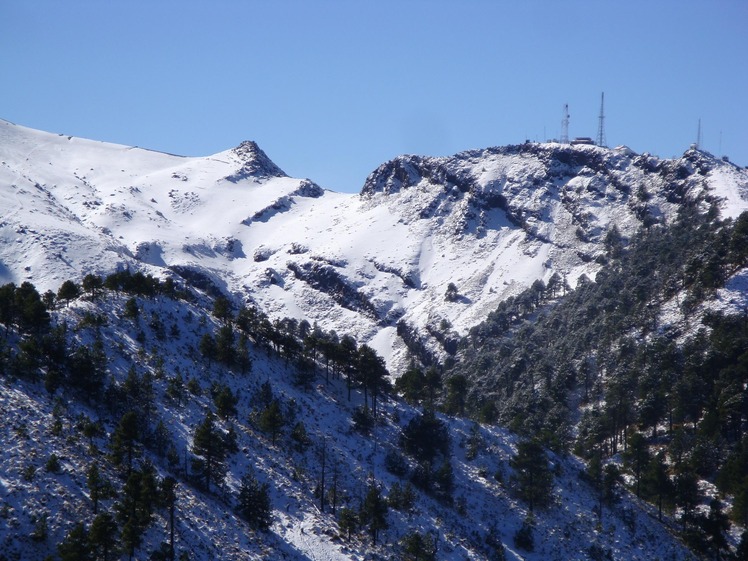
698,137
565,125
601,122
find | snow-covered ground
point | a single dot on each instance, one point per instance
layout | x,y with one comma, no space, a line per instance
207,526
490,222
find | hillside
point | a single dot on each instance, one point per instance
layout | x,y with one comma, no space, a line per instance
456,363
67,403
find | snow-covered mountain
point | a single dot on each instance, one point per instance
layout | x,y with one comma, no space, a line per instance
489,222
427,249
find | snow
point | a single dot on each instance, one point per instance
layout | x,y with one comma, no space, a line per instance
206,525
72,206
733,298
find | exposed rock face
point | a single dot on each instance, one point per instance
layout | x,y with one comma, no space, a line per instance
254,163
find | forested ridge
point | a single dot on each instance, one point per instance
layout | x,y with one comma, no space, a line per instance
634,370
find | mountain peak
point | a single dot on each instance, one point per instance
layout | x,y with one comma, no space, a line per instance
254,163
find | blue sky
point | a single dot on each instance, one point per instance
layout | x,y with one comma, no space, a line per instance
331,89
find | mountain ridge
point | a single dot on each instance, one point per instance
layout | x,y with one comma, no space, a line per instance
488,221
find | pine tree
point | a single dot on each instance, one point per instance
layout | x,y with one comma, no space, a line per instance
102,536
373,512
346,358
135,508
657,483
443,481
225,401
531,473
222,309
425,437
175,388
373,375
716,527
348,522
524,537
638,458
97,485
411,385
254,503
29,312
124,440
87,368
75,545
418,547
68,291
687,494
271,419
242,356
457,387
300,437
739,511
225,351
92,284
169,500
7,305
208,348
210,448
131,310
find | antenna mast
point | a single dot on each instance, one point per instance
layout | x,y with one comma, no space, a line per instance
601,123
565,125
698,137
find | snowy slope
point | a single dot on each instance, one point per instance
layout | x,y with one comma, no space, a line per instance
490,222
206,524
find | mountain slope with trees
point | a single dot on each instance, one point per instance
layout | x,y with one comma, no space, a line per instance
522,352
126,436
643,370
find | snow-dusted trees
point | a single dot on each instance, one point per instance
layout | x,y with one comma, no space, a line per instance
425,437
75,545
23,307
417,386
87,368
168,497
418,547
457,389
134,511
272,419
68,291
373,513
124,442
209,447
372,374
347,522
102,537
427,440
98,486
225,400
253,503
92,285
532,475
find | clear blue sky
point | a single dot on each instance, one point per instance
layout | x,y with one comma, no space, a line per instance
331,89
